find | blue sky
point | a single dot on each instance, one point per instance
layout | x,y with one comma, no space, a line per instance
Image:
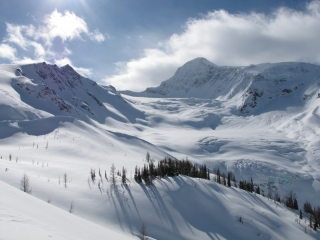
134,44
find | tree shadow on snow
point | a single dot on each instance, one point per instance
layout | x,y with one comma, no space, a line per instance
159,205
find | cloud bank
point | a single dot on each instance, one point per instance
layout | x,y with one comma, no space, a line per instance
38,41
227,39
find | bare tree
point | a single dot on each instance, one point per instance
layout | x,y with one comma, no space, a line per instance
65,179
71,209
24,184
89,182
93,174
143,232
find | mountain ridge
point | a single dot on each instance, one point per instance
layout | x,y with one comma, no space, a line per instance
62,91
248,89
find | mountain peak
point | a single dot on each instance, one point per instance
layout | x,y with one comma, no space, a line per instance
247,88
199,60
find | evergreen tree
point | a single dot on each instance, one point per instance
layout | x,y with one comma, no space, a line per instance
124,177
251,186
307,207
148,157
229,179
295,204
218,176
139,176
224,179
258,190
136,174
113,176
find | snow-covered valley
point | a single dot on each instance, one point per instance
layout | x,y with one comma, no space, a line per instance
54,122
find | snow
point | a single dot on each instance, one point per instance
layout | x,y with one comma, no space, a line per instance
26,217
53,121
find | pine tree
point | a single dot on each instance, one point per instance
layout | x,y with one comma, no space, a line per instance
113,176
295,204
148,157
251,186
139,176
124,177
229,179
136,174
258,190
218,176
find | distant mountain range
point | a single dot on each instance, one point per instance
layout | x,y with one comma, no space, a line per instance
249,89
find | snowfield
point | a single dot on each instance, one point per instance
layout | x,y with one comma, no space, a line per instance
259,121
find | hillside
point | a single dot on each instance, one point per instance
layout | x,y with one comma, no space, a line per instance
54,122
249,89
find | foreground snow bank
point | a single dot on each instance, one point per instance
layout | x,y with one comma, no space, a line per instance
23,216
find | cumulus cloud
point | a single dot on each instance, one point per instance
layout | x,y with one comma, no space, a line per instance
15,34
86,72
39,40
228,39
67,26
97,36
7,52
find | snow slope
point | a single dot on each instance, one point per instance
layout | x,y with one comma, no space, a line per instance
25,217
51,123
248,89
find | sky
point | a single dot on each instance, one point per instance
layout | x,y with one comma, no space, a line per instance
135,44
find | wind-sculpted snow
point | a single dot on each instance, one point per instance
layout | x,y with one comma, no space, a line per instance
248,89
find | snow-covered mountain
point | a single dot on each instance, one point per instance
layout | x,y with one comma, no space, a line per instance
55,122
45,89
249,89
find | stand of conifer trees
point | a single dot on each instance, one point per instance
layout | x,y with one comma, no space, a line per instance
170,167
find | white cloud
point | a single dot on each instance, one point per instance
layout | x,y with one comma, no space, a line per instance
15,34
67,26
27,60
86,72
39,50
7,52
228,39
97,36
39,40
62,62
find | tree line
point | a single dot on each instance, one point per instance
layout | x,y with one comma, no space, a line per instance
169,167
